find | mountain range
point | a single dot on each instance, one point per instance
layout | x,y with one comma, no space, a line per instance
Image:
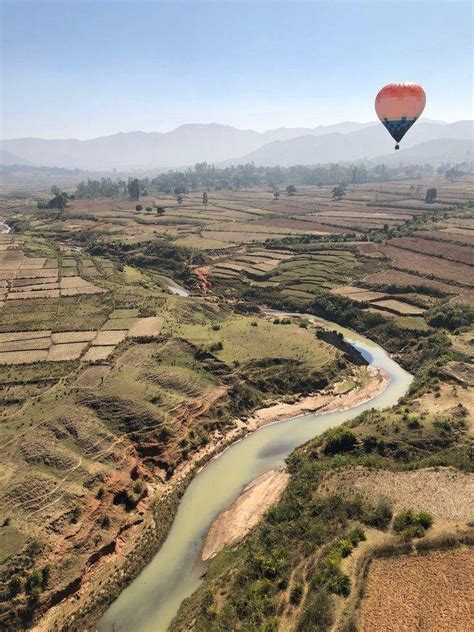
226,145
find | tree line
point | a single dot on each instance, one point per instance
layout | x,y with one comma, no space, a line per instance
209,177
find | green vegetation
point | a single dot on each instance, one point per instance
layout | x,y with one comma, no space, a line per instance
87,442
412,525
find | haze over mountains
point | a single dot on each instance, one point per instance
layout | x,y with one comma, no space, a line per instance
226,145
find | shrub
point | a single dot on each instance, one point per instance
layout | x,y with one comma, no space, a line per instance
339,440
345,547
33,548
45,575
148,209
105,524
216,346
296,594
340,584
15,586
404,519
34,581
425,519
413,531
379,516
356,535
215,327
412,525
33,598
76,512
138,487
139,208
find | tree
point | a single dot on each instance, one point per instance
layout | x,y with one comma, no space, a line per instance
133,187
139,208
291,189
148,209
276,195
338,192
59,200
160,210
205,199
431,195
179,199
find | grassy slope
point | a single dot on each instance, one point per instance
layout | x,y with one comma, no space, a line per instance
160,381
277,578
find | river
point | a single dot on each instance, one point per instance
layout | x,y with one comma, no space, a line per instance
173,287
152,600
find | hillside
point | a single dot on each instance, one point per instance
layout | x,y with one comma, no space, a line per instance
367,143
113,390
215,143
437,151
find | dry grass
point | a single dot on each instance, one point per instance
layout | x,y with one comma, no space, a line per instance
444,492
98,353
68,351
24,335
25,345
73,336
429,593
23,357
427,265
405,279
92,377
398,307
146,327
33,294
113,337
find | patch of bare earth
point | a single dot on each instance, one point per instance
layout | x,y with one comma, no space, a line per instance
445,492
146,327
422,593
245,513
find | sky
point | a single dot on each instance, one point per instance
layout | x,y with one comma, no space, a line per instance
88,68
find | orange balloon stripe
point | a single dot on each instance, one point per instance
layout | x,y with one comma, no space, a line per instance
399,107
398,100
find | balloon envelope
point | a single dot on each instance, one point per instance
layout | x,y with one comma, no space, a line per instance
398,106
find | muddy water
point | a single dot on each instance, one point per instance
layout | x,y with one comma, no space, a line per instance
173,287
152,600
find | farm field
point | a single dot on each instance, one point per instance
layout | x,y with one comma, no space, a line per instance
113,388
423,592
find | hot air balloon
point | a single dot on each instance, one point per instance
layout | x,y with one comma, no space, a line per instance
398,106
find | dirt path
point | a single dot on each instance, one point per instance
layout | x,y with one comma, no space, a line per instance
245,512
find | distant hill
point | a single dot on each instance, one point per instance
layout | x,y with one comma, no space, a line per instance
223,144
366,143
439,151
7,158
183,146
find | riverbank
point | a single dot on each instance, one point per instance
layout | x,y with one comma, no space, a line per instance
245,512
326,401
110,575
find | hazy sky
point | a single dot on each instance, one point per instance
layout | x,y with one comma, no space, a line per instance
93,67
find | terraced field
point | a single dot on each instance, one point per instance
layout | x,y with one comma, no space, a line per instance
111,387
